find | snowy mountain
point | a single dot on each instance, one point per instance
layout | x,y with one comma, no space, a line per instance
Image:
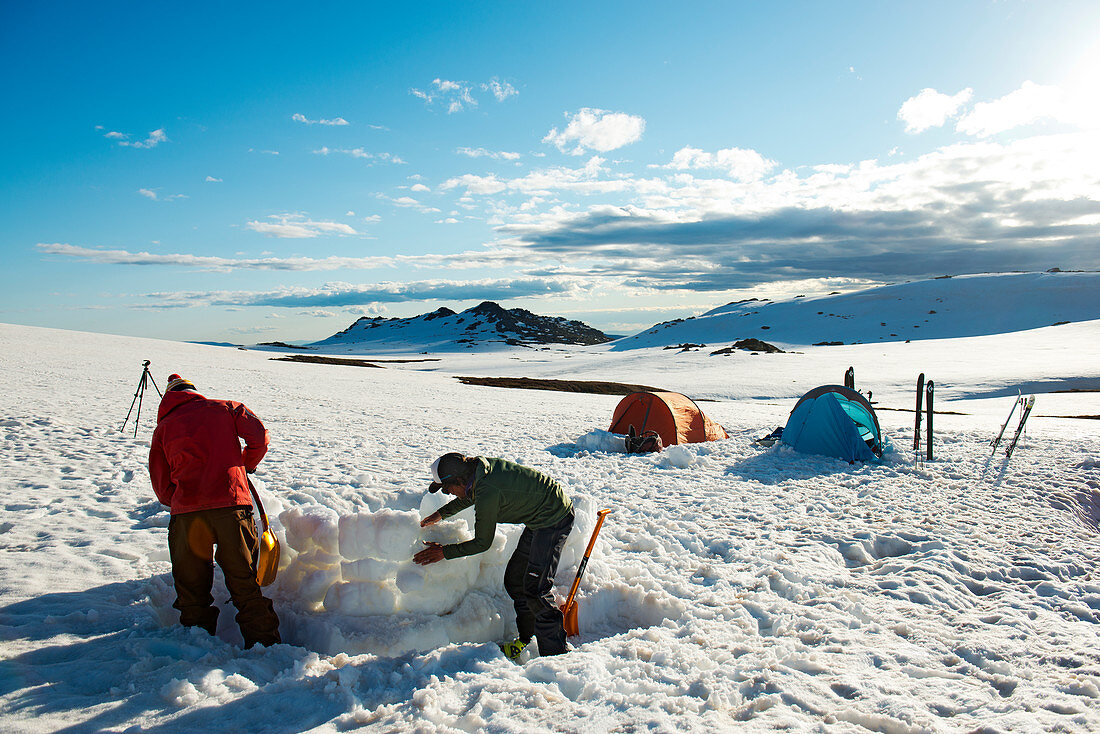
484,325
946,307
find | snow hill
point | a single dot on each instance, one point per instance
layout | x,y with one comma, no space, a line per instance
486,325
951,306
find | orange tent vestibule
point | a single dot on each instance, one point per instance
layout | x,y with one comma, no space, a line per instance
675,417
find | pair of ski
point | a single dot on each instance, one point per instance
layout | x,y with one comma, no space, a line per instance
1025,405
925,393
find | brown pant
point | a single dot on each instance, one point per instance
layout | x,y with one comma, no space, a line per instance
191,540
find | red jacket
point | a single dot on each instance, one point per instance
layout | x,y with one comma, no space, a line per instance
195,460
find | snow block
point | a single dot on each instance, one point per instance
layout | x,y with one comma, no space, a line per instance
361,598
387,535
309,527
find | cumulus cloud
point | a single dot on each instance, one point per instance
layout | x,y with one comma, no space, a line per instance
155,196
342,295
298,227
362,154
584,180
1027,105
456,96
930,108
155,138
741,163
458,261
501,90
408,202
336,121
500,155
1028,204
598,130
370,309
212,179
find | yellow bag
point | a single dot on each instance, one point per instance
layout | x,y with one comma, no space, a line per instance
267,561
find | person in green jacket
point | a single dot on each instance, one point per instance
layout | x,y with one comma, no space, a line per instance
503,491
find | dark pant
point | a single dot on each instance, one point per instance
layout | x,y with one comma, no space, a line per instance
529,580
191,540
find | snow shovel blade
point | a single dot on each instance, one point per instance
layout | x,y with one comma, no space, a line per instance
267,552
267,563
569,620
570,607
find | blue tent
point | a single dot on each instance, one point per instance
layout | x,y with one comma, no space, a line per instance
834,421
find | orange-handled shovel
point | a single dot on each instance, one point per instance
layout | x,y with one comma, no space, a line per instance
569,608
267,557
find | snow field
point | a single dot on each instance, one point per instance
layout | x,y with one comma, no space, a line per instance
732,586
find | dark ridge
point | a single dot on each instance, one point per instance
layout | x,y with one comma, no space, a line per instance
751,345
316,359
579,386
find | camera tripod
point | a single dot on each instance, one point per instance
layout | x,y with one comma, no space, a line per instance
146,377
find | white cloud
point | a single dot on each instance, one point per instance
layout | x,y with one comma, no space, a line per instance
584,180
455,96
1018,205
370,309
456,261
295,226
499,155
318,313
419,188
458,95
930,108
155,138
361,154
501,90
1028,104
742,164
344,295
211,179
409,202
337,121
596,130
152,194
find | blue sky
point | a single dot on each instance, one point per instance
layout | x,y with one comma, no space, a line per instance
269,171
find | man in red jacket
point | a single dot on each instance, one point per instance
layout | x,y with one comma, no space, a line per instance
198,469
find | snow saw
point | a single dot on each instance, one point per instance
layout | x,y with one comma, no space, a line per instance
267,558
569,608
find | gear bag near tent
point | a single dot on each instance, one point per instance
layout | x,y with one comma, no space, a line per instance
835,421
675,417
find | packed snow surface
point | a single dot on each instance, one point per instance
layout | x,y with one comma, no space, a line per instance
733,587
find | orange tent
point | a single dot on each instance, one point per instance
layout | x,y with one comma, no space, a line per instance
675,417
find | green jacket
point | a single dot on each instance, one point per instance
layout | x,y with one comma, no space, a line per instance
504,491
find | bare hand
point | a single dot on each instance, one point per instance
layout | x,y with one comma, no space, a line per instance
431,519
432,554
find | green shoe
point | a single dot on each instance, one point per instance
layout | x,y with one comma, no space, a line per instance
513,649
